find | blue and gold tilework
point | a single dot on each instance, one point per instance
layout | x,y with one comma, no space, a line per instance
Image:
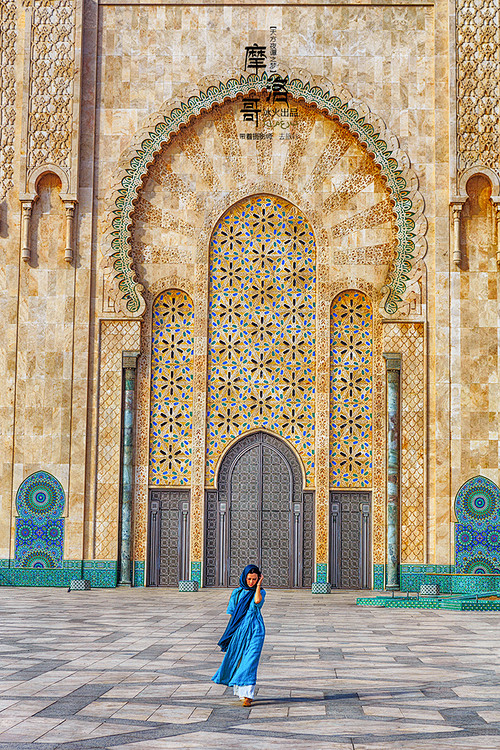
477,533
351,390
39,527
171,389
261,369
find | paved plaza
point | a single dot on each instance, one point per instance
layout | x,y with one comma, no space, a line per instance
130,670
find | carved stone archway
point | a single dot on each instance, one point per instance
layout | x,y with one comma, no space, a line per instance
334,102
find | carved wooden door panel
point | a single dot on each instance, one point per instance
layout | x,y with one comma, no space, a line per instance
350,539
168,537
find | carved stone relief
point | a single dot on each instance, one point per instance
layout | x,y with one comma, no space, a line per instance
51,84
7,93
478,72
395,201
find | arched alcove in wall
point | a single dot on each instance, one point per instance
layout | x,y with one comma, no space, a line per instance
321,168
333,176
48,224
478,236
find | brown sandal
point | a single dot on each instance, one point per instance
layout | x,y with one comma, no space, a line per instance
247,702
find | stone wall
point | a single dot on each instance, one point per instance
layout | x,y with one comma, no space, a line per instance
360,71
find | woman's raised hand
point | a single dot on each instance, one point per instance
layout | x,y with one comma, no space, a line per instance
258,595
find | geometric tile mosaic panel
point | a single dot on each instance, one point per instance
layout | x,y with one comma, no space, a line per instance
351,390
116,337
39,528
408,340
478,503
261,370
171,389
40,496
477,533
39,545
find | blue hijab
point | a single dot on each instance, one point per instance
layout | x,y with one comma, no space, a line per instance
245,595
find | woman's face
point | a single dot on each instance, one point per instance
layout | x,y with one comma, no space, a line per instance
252,579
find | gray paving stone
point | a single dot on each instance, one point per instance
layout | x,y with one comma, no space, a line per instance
131,670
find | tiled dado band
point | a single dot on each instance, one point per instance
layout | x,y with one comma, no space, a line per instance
100,573
104,574
411,577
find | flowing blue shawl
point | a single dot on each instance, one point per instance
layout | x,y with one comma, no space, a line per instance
245,595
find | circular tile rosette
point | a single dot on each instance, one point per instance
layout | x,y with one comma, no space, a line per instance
464,539
25,532
478,502
479,565
40,496
39,560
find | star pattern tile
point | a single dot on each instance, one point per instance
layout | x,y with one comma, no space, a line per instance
171,389
351,391
261,370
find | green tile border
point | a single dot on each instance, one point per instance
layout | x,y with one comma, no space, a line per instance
196,572
459,604
378,576
139,573
413,576
100,573
321,573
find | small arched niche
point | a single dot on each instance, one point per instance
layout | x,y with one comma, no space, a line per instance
47,222
48,212
478,225
476,220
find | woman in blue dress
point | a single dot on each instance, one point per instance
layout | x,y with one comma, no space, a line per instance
244,636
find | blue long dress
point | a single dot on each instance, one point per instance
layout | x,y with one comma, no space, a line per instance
239,666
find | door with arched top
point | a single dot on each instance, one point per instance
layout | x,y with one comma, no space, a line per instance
259,514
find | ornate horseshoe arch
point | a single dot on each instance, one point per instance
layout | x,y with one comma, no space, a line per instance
329,99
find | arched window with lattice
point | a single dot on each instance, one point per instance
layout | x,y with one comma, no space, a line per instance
171,389
262,328
351,375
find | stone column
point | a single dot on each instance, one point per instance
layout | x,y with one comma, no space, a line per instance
456,207
393,416
26,208
129,363
70,218
496,205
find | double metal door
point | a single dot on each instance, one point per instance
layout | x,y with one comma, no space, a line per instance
258,516
168,537
350,540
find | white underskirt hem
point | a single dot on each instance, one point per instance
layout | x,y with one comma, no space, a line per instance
244,691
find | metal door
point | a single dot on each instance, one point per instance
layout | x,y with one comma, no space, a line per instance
350,540
258,515
244,513
260,504
277,547
168,537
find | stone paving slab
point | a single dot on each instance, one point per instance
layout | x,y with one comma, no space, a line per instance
130,670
